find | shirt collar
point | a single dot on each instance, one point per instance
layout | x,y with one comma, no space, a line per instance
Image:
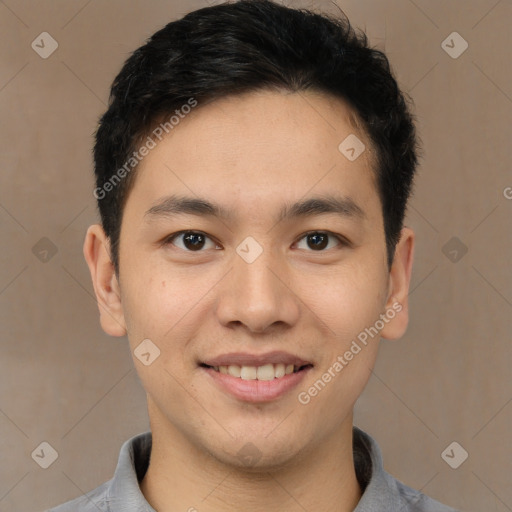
124,493
378,487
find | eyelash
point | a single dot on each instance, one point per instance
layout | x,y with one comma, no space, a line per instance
168,240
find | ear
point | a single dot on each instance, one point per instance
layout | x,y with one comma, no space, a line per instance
104,280
397,303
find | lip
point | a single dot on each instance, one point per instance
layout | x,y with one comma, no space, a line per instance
246,359
256,390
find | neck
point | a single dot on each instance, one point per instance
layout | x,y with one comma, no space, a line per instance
182,477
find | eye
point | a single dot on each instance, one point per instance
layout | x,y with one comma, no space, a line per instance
319,240
191,241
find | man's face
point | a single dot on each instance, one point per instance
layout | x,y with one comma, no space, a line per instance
200,297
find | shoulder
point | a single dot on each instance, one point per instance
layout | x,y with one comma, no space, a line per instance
123,488
93,501
415,501
382,491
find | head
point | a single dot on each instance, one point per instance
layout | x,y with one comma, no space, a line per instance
233,49
245,106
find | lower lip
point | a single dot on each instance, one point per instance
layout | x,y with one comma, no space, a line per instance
256,390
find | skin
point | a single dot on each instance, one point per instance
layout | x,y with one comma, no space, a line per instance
252,154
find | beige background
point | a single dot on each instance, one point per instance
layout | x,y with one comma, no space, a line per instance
65,382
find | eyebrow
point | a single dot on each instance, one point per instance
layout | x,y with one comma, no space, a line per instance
181,205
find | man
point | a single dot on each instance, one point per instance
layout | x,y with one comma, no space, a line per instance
252,174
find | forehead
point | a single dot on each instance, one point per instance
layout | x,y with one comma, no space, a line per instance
261,145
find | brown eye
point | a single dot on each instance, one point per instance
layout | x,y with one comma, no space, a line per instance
319,240
191,241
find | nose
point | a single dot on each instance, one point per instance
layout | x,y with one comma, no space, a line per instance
258,296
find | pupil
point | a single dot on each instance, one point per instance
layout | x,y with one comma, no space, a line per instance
195,240
319,240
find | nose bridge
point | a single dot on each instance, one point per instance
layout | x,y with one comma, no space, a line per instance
255,281
257,276
254,293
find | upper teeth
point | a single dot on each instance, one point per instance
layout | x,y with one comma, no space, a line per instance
265,372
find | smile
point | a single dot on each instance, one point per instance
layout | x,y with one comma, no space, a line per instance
256,384
265,372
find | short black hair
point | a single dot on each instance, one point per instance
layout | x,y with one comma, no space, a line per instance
241,47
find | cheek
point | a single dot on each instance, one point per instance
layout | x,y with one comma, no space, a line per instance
166,307
348,301
155,311
150,308
151,299
351,304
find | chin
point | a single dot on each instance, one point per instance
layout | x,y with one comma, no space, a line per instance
258,453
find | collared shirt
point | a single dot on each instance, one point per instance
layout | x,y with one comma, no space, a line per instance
381,492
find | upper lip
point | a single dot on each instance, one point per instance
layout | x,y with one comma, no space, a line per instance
245,359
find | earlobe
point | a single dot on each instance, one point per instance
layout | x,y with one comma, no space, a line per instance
106,287
397,303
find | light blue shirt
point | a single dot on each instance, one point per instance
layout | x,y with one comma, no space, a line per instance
381,492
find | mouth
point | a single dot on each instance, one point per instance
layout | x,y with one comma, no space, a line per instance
256,378
265,372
